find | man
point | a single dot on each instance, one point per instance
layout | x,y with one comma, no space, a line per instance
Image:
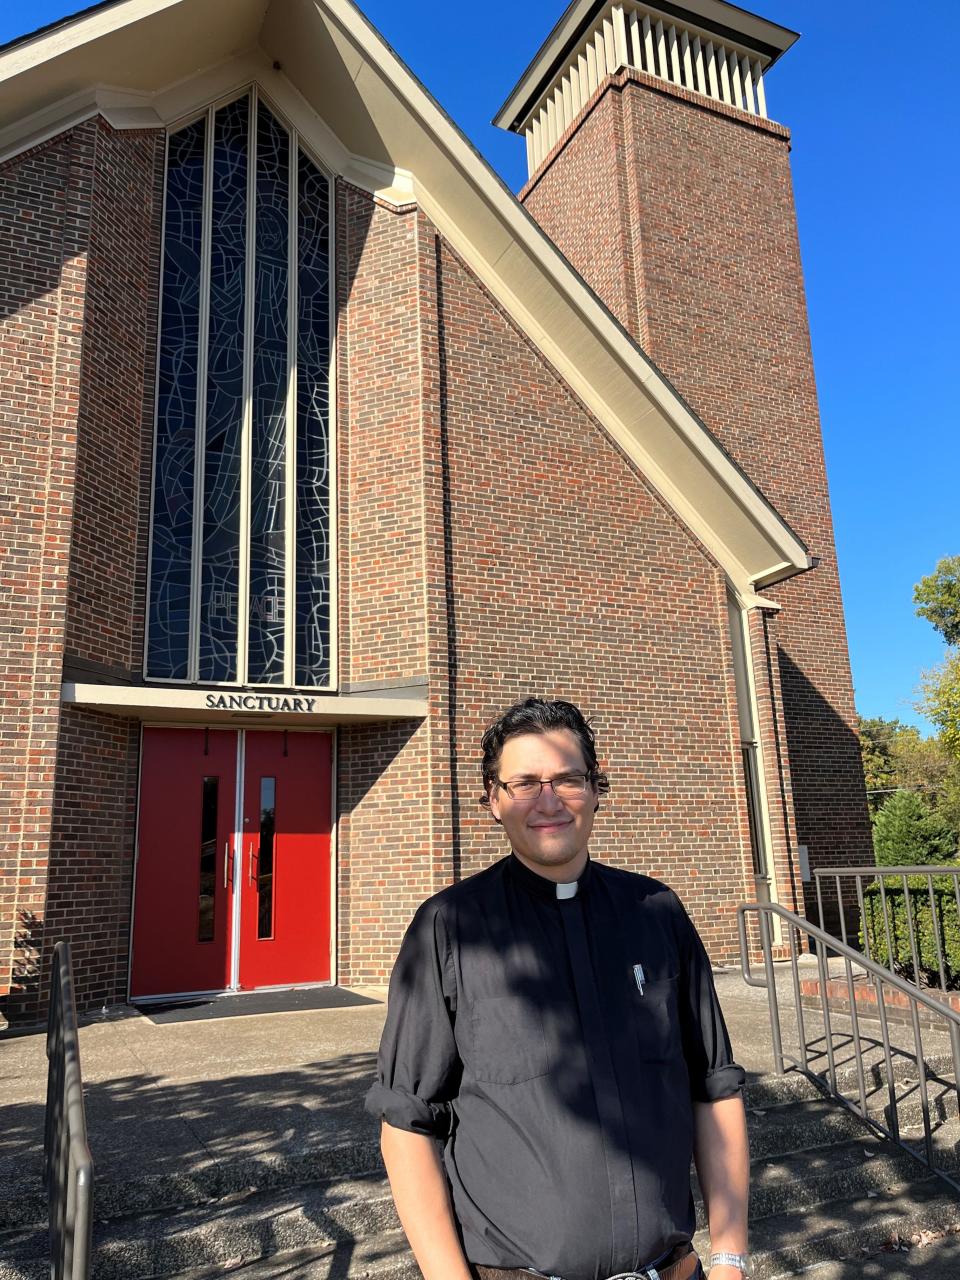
553,1022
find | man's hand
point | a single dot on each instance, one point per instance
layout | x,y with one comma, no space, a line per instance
419,1187
722,1158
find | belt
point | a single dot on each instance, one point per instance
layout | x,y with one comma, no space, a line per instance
681,1270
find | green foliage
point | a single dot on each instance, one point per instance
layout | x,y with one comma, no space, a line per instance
940,701
895,756
925,935
877,737
937,597
907,833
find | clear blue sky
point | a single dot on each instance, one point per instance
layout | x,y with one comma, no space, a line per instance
868,94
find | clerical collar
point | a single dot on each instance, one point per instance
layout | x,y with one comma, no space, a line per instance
540,887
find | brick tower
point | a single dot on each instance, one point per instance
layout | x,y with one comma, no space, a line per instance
655,168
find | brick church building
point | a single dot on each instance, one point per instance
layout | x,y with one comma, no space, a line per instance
320,447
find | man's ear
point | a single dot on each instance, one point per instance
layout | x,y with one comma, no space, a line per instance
494,795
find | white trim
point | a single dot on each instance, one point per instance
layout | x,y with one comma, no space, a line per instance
246,426
763,803
236,899
290,438
173,107
333,428
334,864
156,408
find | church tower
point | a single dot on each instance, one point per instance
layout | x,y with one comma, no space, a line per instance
656,167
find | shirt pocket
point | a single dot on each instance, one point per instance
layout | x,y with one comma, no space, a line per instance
508,1041
656,1020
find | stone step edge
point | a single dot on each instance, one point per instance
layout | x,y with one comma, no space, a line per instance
348,1203
116,1202
217,1183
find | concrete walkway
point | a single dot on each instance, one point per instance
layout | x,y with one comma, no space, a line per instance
192,1093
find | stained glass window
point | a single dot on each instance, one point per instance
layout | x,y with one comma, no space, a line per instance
220,557
313,415
267,470
236,271
175,459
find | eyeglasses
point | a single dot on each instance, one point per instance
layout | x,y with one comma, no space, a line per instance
568,786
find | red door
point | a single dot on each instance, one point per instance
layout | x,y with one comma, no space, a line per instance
184,935
183,902
285,869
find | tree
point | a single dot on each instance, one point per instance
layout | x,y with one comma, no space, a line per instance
940,700
895,756
937,597
906,832
876,745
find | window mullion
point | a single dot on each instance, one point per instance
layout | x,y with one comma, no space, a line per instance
243,576
203,344
290,443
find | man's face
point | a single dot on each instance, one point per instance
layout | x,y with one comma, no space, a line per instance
548,833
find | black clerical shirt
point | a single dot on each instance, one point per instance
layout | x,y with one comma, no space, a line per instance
556,1047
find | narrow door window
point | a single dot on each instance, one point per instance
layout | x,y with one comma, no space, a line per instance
265,862
208,859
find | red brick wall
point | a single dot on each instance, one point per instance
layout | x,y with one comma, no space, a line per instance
722,312
91,851
109,530
82,247
43,248
384,832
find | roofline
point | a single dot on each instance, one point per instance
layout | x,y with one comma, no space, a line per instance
60,22
768,39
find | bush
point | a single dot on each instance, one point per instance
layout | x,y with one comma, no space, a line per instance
947,919
906,833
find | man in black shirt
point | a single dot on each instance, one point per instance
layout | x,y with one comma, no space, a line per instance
554,1052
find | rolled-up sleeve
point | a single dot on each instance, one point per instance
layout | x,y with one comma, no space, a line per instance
418,1067
706,1044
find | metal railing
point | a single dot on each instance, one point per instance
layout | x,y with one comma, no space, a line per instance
902,895
817,1054
68,1165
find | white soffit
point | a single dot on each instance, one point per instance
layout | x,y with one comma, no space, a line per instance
333,60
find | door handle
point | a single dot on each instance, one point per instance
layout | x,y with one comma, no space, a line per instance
250,865
226,860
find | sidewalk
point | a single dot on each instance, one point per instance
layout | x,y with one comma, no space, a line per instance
192,1094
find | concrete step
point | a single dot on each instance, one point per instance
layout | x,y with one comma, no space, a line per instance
183,1188
936,1259
795,1115
791,1242
238,1226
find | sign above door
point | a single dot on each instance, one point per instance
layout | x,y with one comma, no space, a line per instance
207,706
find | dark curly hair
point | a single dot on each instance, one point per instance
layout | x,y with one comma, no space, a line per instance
539,715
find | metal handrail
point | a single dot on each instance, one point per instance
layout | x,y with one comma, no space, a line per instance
944,971
68,1165
822,944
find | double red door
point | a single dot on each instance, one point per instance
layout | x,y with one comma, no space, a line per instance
233,865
